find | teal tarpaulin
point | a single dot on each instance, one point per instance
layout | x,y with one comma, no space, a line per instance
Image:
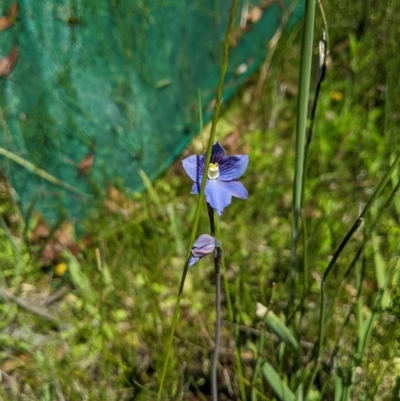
115,84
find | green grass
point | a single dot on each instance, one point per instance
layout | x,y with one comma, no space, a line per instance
105,339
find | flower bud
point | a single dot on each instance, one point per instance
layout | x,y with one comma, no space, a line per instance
203,246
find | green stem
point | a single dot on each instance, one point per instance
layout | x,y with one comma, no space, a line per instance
225,277
306,272
211,218
302,108
224,66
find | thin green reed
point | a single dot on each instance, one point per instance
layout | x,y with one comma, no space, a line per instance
301,126
372,228
323,46
224,66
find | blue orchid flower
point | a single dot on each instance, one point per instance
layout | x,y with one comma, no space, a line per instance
222,176
203,246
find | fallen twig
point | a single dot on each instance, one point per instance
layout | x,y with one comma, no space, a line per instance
36,310
56,296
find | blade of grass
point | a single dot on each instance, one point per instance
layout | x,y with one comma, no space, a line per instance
280,388
299,393
150,188
41,173
381,271
301,126
224,66
259,393
281,330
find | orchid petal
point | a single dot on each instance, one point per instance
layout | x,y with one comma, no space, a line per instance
232,167
194,167
192,260
217,195
236,188
217,153
221,186
196,188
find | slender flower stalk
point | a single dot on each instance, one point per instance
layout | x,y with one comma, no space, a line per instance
217,265
224,67
214,380
203,246
221,184
222,174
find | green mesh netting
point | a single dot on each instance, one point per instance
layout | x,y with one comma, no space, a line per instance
119,79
